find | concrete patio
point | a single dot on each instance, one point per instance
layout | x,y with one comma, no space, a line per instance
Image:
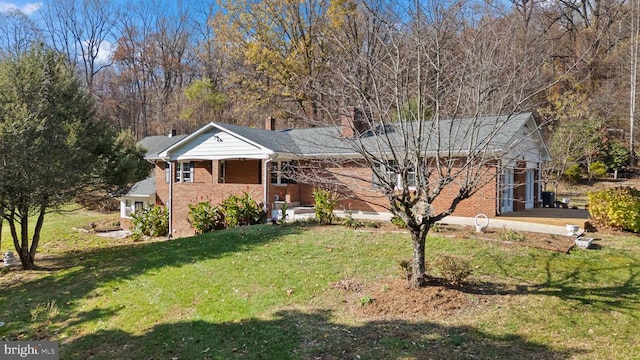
541,220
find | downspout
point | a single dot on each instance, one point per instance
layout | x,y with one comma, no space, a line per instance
498,192
170,200
265,183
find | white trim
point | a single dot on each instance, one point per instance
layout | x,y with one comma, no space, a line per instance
506,190
266,152
169,203
266,179
278,171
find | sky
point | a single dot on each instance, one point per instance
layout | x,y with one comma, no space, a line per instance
26,7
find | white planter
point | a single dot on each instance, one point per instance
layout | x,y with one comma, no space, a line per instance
584,242
572,230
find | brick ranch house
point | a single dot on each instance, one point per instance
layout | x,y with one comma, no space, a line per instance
220,160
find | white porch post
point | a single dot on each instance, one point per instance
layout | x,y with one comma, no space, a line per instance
265,182
170,200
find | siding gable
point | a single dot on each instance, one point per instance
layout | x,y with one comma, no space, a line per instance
216,144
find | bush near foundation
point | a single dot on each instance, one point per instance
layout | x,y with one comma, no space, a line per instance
205,217
325,202
617,208
234,211
151,221
241,210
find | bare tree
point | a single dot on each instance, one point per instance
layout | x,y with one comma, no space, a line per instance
420,123
84,31
633,81
17,33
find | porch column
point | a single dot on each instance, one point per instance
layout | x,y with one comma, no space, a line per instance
266,179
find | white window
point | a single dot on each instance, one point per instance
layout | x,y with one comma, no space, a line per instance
184,171
391,171
128,209
167,172
282,172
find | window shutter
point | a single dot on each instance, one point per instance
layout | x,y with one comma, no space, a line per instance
192,167
167,172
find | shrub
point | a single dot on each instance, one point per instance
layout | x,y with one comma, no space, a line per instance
205,217
150,221
598,169
573,174
398,222
240,210
283,210
511,235
618,208
325,202
366,300
406,268
454,270
349,221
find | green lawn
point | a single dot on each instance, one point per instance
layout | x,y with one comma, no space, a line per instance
263,292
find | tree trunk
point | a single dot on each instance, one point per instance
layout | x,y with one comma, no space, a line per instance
35,241
21,241
418,237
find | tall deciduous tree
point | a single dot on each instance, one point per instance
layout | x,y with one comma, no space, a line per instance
51,146
84,31
436,61
152,65
279,54
17,33
574,133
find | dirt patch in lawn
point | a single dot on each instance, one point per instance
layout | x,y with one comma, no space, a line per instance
394,299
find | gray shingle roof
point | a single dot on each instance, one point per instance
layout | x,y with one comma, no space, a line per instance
455,135
143,188
490,133
155,144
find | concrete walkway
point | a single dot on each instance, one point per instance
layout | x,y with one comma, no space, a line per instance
510,225
540,220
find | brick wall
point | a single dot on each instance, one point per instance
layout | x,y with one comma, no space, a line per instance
351,180
243,172
204,188
358,194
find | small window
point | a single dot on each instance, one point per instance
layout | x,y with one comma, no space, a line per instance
391,173
282,172
411,177
184,171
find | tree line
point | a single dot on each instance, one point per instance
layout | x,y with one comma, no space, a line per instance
153,70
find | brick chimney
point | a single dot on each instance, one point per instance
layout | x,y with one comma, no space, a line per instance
270,123
346,121
353,123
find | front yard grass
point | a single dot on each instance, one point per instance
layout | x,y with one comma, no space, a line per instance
265,292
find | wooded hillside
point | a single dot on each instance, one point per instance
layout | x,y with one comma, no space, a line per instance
156,67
